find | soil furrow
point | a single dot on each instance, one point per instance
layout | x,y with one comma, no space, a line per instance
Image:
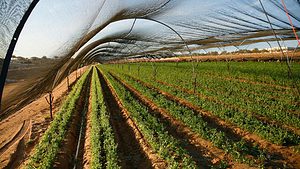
19,135
134,151
264,119
86,163
66,156
280,155
202,151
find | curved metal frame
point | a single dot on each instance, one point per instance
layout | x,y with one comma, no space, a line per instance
12,46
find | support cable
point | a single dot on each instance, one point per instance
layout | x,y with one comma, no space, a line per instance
276,37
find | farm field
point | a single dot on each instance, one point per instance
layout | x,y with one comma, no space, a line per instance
167,115
157,84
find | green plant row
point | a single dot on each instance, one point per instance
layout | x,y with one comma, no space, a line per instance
247,121
265,73
282,106
239,150
242,118
154,132
103,146
46,150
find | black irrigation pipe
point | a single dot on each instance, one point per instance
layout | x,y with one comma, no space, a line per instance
12,46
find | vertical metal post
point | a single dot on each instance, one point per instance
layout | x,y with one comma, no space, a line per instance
76,73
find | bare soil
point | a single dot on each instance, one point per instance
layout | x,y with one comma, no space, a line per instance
87,154
38,113
133,151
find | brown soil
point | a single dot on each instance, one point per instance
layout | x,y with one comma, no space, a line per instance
38,112
280,155
87,154
20,132
66,158
133,149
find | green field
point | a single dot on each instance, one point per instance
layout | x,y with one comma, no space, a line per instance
219,115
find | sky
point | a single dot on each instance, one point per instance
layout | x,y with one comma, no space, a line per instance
55,26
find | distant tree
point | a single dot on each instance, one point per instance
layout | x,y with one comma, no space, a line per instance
213,53
34,58
264,50
223,52
56,57
255,50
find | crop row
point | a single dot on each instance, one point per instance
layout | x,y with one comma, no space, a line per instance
208,76
165,146
242,119
48,147
103,146
238,149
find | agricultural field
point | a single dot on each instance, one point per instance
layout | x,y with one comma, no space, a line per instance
150,84
174,115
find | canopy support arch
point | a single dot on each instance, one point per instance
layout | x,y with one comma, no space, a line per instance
12,46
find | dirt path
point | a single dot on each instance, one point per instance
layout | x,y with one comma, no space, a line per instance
87,153
38,113
279,155
19,135
133,150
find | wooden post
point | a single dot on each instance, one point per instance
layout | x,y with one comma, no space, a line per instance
68,83
139,66
228,66
50,102
76,74
154,71
195,82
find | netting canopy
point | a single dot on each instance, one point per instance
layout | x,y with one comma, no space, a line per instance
83,31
